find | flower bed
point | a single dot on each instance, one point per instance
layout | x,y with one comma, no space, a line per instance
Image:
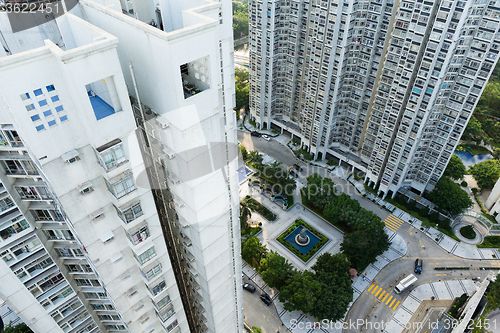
261,209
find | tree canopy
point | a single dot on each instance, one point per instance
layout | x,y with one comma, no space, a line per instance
486,173
455,169
252,251
325,294
240,19
365,238
241,87
275,270
20,328
493,294
449,196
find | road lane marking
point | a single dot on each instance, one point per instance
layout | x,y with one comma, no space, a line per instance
390,297
394,300
378,292
395,306
385,297
441,274
494,263
433,263
381,295
374,289
373,285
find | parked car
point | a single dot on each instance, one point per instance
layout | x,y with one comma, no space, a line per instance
297,167
266,299
266,137
418,266
255,133
293,174
249,287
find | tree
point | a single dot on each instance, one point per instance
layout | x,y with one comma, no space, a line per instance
255,157
319,191
256,329
473,131
455,169
493,295
449,196
244,153
240,19
20,328
486,173
301,292
275,270
241,87
252,251
363,246
325,294
247,207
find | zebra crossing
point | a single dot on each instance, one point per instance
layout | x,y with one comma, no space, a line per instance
393,223
383,296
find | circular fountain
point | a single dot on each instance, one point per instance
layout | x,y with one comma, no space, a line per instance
302,238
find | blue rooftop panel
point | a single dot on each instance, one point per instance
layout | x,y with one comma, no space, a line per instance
55,98
38,92
51,123
101,108
59,108
40,128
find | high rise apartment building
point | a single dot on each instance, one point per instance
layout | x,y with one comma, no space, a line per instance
119,190
387,86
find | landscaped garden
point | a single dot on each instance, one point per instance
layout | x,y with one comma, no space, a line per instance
490,242
293,228
259,208
364,236
468,232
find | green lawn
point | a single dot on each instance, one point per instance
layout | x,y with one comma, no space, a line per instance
250,232
490,242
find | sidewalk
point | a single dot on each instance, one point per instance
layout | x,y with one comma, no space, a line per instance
443,290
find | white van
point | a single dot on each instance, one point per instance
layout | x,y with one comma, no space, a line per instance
405,283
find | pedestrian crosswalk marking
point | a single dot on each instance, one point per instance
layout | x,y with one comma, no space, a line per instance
390,297
394,300
373,285
375,289
395,306
383,292
393,223
378,292
385,297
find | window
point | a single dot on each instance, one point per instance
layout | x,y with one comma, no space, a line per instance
85,188
172,326
43,102
111,155
157,288
33,192
115,327
50,88
14,229
146,256
103,97
59,234
35,117
166,314
47,113
139,236
162,303
152,272
38,92
129,214
123,186
30,107
69,253
40,128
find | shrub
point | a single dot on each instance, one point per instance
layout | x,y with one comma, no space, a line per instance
464,183
331,163
474,190
468,232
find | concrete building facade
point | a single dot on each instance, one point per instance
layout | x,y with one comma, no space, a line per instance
387,86
118,169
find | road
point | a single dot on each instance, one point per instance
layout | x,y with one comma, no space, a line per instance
368,306
257,313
